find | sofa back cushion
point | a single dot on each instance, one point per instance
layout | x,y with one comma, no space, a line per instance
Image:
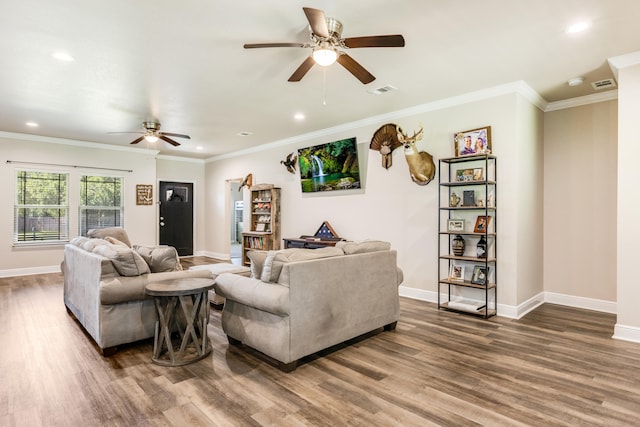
115,232
276,259
159,258
126,261
363,246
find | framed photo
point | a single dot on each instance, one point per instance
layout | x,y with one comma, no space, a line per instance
480,274
455,225
482,224
144,194
464,175
474,141
478,174
468,198
456,273
260,226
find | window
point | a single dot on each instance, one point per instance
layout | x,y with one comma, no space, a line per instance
41,211
100,202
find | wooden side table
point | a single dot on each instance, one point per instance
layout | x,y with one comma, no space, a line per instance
190,294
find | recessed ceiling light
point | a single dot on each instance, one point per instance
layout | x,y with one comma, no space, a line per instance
199,148
244,133
577,27
62,56
32,124
298,116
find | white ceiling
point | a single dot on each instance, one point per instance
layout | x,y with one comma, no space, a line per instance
182,63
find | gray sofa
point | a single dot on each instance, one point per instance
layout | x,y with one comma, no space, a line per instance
104,285
301,301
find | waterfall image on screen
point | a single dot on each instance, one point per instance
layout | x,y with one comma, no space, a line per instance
328,167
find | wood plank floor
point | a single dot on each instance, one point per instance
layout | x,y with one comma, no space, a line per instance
557,366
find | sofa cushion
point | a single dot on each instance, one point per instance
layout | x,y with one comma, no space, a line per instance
116,232
90,244
159,258
115,241
126,261
363,246
276,259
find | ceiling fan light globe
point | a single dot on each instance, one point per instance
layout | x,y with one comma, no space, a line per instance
325,56
151,138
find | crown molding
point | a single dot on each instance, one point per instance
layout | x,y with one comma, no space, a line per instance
179,159
75,143
582,100
518,87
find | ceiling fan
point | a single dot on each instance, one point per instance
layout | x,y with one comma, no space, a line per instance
152,134
326,45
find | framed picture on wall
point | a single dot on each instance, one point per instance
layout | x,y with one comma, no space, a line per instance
471,142
144,194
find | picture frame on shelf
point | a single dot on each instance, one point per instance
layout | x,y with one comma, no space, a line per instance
482,224
470,175
260,226
456,273
472,142
479,275
468,198
455,225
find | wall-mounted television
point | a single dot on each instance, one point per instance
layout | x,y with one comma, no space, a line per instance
329,167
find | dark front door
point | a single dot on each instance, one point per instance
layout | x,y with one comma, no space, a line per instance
176,216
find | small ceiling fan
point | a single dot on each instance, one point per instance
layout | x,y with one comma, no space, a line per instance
327,42
152,134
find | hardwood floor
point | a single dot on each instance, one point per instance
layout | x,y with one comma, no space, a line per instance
556,366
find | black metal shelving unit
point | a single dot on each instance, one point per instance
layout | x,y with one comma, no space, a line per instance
460,275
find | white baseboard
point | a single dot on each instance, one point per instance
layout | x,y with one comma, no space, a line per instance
216,255
516,312
626,333
30,270
581,302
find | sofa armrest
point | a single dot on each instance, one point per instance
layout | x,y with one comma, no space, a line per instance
270,297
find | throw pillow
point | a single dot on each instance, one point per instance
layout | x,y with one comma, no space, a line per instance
265,276
114,241
159,258
257,262
126,261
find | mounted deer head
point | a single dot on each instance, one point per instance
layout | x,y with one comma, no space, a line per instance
421,166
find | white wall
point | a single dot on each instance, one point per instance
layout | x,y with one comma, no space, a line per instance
628,233
46,150
391,207
580,196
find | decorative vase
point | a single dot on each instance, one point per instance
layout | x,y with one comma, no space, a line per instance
454,199
481,248
457,245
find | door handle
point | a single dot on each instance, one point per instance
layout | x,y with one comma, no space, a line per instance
162,224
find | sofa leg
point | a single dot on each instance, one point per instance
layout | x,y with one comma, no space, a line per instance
390,326
288,367
233,341
109,351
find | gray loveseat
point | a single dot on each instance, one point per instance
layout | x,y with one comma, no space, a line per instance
301,301
104,285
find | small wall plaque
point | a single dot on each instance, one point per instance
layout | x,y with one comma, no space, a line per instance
144,194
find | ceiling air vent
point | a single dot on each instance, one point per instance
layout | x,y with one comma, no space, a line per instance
603,84
383,89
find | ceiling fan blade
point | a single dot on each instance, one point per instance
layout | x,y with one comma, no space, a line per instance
177,135
137,140
169,140
260,45
317,21
354,68
395,40
302,69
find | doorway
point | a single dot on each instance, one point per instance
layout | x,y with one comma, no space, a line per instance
176,216
236,211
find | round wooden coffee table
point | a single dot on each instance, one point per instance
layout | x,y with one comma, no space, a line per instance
189,294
